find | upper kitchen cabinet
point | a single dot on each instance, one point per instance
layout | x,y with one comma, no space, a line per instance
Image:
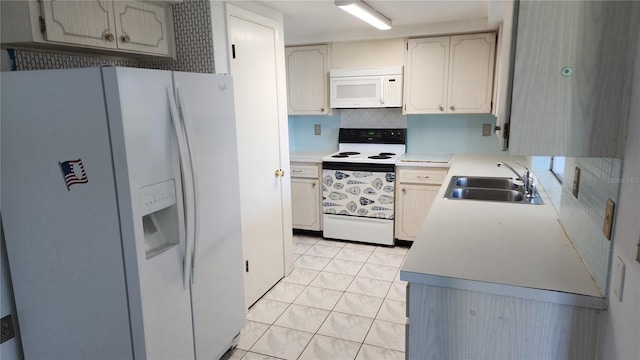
572,77
307,79
97,25
450,74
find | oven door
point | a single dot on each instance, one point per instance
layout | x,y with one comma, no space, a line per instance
358,189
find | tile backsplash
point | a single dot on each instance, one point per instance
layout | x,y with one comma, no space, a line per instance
372,118
583,218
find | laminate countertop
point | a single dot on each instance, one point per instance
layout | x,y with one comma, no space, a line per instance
502,248
308,156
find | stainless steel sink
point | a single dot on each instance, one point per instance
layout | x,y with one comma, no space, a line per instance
487,194
489,189
486,182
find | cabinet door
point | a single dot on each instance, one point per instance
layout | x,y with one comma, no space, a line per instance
413,203
426,76
141,26
471,66
307,80
305,204
88,22
571,82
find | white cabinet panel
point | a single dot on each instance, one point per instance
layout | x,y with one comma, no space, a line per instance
80,22
414,201
307,79
141,26
416,191
306,195
305,207
89,26
426,78
471,73
450,74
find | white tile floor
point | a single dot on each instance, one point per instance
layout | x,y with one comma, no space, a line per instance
342,301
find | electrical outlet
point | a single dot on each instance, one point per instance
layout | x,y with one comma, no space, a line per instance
317,130
608,219
576,182
6,329
617,278
486,129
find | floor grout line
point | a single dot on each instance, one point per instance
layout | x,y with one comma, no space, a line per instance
343,293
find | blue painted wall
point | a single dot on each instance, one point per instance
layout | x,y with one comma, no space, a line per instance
451,134
302,138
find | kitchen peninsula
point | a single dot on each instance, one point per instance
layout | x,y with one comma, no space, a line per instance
497,280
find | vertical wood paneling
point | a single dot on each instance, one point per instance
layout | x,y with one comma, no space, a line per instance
583,113
458,324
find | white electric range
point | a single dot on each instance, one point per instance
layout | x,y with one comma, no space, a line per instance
358,185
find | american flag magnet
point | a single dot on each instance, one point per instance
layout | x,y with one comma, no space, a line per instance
73,172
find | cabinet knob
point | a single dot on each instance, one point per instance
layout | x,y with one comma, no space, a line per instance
404,191
453,108
321,109
109,37
313,185
125,38
441,108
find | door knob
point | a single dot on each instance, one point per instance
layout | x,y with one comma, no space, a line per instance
279,173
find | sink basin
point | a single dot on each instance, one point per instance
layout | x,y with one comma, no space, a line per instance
485,182
487,194
489,189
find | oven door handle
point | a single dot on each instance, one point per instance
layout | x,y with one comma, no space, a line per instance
335,165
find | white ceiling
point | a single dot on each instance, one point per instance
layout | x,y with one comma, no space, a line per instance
315,21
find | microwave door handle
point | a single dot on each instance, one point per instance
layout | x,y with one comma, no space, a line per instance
382,91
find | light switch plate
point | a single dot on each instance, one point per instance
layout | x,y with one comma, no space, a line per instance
617,278
608,219
317,130
576,182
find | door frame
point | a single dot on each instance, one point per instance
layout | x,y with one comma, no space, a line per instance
273,20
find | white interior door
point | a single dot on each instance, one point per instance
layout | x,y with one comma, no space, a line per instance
253,67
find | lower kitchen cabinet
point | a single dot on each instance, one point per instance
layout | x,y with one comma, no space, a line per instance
416,191
306,197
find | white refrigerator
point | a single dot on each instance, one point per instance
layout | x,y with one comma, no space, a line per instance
120,206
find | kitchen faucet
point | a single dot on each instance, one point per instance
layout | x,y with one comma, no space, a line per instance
526,177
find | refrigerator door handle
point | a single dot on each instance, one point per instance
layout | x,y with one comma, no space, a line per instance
187,188
188,130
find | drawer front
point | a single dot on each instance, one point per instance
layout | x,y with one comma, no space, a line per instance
304,171
435,177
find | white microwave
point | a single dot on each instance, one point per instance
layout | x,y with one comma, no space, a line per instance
366,87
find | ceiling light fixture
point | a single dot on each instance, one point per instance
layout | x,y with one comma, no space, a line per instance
361,10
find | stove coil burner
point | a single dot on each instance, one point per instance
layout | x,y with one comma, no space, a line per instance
387,154
345,154
379,157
